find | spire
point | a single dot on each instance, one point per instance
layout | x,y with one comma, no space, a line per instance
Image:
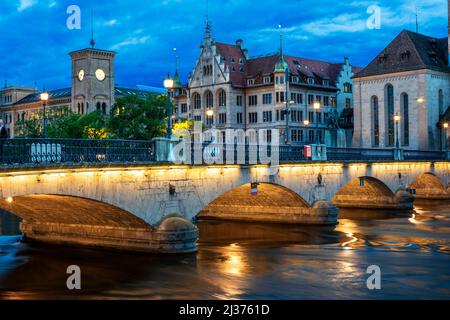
92,30
417,20
281,65
176,77
208,33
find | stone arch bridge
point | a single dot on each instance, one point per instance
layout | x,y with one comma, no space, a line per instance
153,207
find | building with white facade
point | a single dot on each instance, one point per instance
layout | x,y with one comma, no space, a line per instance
410,78
229,90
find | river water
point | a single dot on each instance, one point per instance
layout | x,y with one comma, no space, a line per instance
250,261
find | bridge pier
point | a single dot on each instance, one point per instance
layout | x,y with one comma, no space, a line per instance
174,235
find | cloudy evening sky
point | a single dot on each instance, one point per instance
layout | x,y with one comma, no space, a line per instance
35,42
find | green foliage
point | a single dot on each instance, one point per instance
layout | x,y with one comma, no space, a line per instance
29,129
137,119
131,118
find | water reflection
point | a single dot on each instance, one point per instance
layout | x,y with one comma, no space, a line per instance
250,261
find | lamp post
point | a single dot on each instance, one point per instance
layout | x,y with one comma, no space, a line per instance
445,136
168,84
316,107
44,99
210,117
397,139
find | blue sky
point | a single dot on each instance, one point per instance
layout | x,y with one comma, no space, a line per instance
35,42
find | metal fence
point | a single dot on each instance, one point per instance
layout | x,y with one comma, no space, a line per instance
45,151
40,151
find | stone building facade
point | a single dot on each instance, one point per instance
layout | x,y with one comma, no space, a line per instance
229,90
409,78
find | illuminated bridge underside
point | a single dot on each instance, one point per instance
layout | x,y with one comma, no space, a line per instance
428,186
272,203
367,192
71,220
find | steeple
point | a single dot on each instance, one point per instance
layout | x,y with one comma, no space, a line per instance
92,29
208,33
281,65
176,77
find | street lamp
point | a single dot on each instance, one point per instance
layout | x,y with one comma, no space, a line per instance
209,116
44,99
316,107
397,121
168,84
445,135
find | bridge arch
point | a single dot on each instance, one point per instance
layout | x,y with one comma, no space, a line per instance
429,186
71,220
370,192
271,203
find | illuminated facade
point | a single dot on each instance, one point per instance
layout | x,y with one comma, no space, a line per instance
229,90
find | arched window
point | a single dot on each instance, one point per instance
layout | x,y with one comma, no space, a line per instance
405,118
389,111
82,108
222,98
441,102
98,106
209,99
104,108
79,108
197,100
375,122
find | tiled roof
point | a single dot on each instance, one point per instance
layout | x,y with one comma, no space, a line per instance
257,68
409,51
238,76
141,92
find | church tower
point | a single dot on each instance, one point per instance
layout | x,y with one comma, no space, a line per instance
92,79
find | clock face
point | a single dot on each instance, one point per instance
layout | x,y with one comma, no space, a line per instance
81,75
100,74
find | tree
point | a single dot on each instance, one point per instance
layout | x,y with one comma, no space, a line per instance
66,127
95,125
180,128
29,129
134,118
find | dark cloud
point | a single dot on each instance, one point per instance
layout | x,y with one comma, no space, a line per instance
34,42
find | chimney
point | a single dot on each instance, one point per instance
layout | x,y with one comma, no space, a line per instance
239,43
245,51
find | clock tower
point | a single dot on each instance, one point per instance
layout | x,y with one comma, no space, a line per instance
92,80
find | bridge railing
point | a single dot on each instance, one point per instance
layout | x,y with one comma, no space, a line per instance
359,154
243,154
424,155
42,151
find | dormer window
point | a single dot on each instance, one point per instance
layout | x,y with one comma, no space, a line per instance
310,81
404,56
326,83
267,80
382,59
251,82
295,79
